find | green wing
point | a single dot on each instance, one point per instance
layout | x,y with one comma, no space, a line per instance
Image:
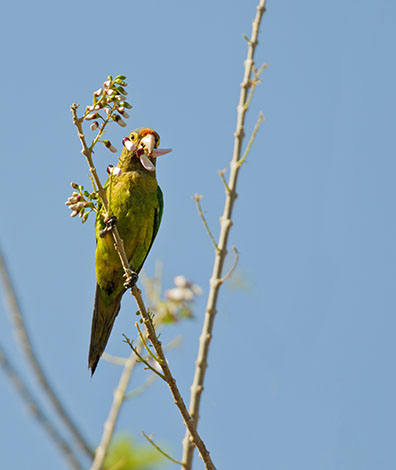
157,222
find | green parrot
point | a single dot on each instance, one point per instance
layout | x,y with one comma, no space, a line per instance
136,201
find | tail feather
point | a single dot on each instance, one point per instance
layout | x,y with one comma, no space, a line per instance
102,324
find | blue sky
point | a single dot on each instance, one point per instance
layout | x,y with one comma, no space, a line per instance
301,369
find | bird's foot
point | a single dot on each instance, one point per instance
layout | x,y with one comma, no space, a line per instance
130,279
110,224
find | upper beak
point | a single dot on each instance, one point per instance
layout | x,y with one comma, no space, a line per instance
147,143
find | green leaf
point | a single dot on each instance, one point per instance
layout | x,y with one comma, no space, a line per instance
125,454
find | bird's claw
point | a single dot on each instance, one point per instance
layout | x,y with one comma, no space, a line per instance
130,279
110,224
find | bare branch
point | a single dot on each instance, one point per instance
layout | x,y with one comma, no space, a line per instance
36,410
118,399
160,450
197,198
31,356
225,225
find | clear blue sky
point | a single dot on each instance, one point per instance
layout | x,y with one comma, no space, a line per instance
302,369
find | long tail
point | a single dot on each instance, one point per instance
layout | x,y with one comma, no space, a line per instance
102,324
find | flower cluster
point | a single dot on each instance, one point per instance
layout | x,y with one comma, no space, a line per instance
184,291
108,105
179,300
81,201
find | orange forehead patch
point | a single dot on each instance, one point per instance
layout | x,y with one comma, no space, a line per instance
144,132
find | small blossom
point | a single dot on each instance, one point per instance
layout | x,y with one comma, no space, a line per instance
110,92
107,111
99,106
107,83
90,108
77,207
122,111
98,92
73,199
126,105
109,145
178,294
119,120
91,116
74,213
94,125
114,170
184,291
181,281
128,144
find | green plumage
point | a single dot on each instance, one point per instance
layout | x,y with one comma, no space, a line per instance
135,199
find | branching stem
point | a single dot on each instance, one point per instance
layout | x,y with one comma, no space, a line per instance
225,225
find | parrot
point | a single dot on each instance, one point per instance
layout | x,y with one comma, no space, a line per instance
136,204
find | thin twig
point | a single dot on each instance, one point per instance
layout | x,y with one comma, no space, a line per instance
142,359
222,173
37,411
225,225
147,320
146,346
260,119
118,399
197,198
160,450
31,356
229,274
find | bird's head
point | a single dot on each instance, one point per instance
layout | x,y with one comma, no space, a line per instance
141,147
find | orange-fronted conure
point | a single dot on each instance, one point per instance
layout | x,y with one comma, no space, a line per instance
135,200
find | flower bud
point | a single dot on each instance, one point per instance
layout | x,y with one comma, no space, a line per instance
109,145
120,82
128,144
107,111
85,217
78,206
98,92
94,125
126,105
107,83
74,213
114,170
119,121
74,185
123,112
91,116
